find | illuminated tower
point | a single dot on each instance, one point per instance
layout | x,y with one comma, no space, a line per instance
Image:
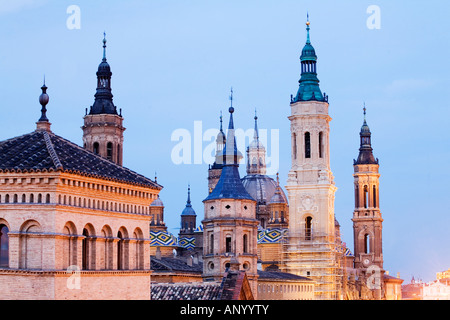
367,220
230,226
311,190
103,125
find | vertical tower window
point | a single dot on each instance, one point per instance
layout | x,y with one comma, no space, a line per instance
320,144
308,228
307,145
366,197
211,244
295,145
357,196
374,196
109,151
228,244
366,243
96,148
118,153
245,243
4,246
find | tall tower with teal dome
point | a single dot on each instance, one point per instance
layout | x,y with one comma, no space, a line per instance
310,249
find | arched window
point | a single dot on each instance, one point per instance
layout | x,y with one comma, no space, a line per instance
109,151
7,198
39,198
85,250
47,198
308,228
366,243
24,198
307,145
120,252
96,148
245,243
357,196
118,153
16,198
4,246
320,144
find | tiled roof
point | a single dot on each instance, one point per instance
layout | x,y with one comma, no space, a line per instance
174,264
186,291
45,151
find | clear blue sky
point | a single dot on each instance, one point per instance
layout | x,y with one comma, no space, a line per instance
174,62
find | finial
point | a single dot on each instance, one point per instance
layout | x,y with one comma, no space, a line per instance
221,122
308,41
278,178
104,46
231,99
156,177
43,100
365,109
256,133
189,194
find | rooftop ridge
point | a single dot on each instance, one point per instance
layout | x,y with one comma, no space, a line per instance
52,152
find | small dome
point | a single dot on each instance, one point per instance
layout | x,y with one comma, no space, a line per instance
277,198
157,203
308,53
262,188
188,211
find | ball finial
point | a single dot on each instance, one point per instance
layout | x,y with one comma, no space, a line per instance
231,109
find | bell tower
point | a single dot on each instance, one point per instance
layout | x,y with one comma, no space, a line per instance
230,227
103,125
367,220
311,190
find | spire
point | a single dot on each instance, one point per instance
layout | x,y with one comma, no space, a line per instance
309,83
256,133
103,97
308,40
230,185
43,124
104,46
188,210
231,155
365,150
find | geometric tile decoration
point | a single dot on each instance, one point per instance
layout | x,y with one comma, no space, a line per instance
187,243
271,235
162,238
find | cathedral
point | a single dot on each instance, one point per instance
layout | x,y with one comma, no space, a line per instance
73,219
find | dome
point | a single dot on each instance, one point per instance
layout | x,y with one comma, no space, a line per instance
188,211
262,188
308,53
277,198
157,203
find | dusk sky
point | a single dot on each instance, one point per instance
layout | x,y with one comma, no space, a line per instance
174,63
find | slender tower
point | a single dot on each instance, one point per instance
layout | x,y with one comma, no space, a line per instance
367,220
230,227
103,125
215,170
310,249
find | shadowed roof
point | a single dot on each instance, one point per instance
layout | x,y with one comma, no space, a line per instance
45,151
